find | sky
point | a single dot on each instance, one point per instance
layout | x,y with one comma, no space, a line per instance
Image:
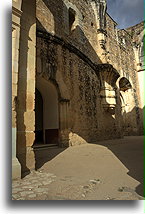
126,12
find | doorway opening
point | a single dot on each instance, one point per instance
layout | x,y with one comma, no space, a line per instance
46,114
38,117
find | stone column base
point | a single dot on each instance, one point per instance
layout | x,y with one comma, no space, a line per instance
27,158
16,168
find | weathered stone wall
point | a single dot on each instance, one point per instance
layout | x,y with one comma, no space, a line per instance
73,58
137,34
55,20
122,56
136,30
82,85
119,45
74,75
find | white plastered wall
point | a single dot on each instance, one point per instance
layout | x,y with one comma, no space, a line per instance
50,104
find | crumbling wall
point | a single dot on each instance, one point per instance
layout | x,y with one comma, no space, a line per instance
71,60
120,47
135,31
54,18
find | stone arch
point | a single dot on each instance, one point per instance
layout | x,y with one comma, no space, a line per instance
54,76
62,112
126,76
128,105
108,78
50,110
124,84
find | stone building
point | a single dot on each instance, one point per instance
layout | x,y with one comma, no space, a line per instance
74,77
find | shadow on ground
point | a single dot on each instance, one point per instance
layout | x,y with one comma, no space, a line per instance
130,151
42,156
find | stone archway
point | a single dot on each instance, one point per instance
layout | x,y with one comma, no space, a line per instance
124,84
47,112
128,105
53,74
125,94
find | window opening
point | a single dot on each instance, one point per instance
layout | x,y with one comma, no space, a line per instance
72,15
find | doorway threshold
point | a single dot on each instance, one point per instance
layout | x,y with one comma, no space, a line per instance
44,146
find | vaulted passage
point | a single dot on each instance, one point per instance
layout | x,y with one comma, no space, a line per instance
46,113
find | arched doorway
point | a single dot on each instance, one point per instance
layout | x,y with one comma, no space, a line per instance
126,96
129,108
46,113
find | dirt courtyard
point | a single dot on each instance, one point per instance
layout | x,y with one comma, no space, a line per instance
108,170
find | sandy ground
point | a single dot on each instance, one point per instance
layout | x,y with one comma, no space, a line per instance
86,172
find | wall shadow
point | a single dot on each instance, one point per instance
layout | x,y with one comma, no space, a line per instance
44,155
132,160
131,152
137,127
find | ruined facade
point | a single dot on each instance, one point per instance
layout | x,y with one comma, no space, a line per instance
75,77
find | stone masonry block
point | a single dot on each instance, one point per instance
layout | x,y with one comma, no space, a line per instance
29,120
30,102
